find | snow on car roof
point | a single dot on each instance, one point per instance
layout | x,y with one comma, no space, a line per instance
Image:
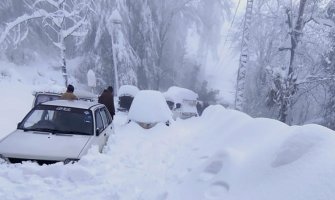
60,90
73,104
178,94
149,107
128,90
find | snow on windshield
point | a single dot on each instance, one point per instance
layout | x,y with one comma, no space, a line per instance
149,106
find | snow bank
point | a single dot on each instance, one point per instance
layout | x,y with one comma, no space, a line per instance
149,106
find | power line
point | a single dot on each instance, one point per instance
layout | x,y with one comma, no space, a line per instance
232,22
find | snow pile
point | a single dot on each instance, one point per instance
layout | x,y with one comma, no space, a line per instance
178,94
128,90
149,106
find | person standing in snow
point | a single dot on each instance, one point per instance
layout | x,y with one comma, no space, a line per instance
107,98
68,95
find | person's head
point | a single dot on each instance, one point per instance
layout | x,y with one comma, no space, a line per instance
70,88
110,88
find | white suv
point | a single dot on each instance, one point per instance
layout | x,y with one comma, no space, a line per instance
56,131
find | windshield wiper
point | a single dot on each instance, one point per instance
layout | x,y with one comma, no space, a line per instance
48,130
59,132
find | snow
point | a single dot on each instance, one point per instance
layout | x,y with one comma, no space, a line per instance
91,79
128,90
80,93
115,17
178,94
9,26
224,154
72,104
149,106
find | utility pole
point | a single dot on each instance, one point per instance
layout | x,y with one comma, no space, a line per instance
244,58
116,19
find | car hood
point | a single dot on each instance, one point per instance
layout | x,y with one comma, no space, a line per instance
42,145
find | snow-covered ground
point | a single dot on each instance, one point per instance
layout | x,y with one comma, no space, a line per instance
223,154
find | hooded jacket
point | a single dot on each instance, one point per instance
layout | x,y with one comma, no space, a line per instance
107,99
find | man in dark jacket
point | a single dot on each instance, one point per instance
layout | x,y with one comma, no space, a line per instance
107,98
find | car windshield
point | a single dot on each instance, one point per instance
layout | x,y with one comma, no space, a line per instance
58,119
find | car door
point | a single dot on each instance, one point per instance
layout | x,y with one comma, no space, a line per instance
100,133
107,123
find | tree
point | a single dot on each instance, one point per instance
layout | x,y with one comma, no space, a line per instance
328,63
283,82
61,20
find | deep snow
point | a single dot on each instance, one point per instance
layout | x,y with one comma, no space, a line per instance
224,154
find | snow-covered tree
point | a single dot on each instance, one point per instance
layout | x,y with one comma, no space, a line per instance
61,20
284,79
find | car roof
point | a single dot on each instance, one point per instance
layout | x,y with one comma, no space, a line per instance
72,103
78,93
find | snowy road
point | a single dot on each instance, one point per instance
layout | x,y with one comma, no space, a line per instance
222,155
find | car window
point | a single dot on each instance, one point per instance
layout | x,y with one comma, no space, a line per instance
104,112
104,118
99,122
34,117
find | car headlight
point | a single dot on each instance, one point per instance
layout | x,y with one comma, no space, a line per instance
70,161
3,159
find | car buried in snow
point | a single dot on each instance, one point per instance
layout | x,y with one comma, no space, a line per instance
58,131
126,94
182,102
149,108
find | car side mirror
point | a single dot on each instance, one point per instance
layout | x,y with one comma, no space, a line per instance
97,132
178,105
19,125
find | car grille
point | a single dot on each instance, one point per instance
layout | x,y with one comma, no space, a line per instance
40,162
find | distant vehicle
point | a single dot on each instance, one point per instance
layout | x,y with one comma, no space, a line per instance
44,96
126,96
56,131
149,108
182,102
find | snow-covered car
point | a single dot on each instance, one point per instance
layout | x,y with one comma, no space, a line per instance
126,96
42,96
182,102
59,130
149,108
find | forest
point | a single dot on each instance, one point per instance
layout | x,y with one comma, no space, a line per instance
155,44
